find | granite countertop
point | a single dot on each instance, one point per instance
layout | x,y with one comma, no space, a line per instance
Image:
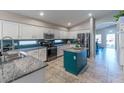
75,50
17,68
29,49
60,44
63,44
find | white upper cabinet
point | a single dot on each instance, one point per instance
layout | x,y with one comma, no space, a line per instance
57,35
72,34
30,32
37,32
26,31
34,32
10,29
40,33
63,34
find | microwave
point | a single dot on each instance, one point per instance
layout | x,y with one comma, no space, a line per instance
48,36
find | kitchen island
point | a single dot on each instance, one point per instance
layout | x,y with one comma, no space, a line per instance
12,70
75,60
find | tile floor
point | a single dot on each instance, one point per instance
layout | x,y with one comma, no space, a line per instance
104,69
35,77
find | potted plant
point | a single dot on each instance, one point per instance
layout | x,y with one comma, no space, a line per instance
120,14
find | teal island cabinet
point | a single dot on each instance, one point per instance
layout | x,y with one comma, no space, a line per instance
75,60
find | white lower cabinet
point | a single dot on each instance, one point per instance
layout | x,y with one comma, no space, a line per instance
39,54
42,54
33,53
60,51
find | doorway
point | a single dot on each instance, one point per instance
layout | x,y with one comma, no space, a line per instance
110,40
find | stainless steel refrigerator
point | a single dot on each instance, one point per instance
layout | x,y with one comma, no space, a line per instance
85,41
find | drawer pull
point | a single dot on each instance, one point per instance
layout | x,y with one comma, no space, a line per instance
74,57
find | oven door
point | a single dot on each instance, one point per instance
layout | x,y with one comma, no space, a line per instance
51,53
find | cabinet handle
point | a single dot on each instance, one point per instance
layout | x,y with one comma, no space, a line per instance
74,57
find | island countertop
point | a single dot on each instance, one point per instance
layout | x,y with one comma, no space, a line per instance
75,50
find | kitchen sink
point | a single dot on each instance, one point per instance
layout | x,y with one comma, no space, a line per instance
12,55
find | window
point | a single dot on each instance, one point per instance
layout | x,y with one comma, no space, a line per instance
99,38
27,42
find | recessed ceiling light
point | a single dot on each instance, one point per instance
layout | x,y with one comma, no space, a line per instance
69,23
41,13
90,14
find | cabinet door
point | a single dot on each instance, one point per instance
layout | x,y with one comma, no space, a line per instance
41,32
25,31
59,51
56,34
42,54
35,32
72,35
65,35
33,53
61,34
62,50
10,29
29,32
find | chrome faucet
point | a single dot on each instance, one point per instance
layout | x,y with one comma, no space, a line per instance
2,46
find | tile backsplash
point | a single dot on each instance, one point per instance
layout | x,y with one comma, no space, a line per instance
18,46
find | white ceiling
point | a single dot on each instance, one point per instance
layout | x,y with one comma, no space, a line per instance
62,17
104,25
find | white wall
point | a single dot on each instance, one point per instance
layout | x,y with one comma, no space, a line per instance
105,18
83,27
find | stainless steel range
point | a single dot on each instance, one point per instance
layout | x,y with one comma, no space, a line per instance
51,53
51,50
